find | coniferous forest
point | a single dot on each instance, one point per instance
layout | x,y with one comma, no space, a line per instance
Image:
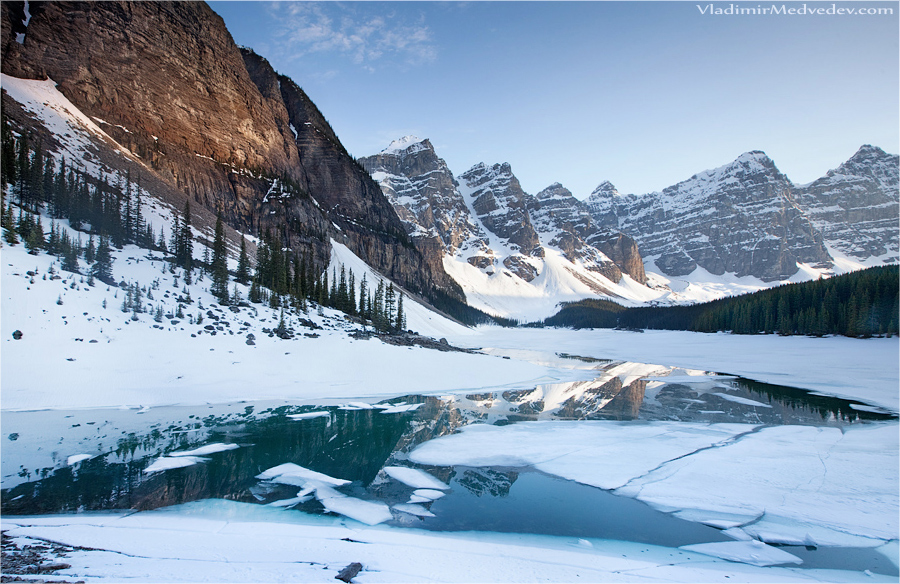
858,304
110,215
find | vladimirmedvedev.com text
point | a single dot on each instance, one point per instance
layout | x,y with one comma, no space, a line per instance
792,10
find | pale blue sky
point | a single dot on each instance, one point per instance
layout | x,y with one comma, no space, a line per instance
643,94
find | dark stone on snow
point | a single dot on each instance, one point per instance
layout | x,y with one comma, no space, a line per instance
349,572
17,334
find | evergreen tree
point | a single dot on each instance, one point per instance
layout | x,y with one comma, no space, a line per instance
243,268
7,153
70,258
34,241
390,305
400,323
102,268
219,266
184,237
9,227
363,296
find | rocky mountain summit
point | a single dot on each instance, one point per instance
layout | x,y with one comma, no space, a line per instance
484,218
856,206
749,219
207,121
423,191
566,223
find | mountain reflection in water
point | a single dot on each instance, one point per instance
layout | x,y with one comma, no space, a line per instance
356,444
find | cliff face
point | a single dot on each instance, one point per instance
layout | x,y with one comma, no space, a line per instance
500,204
740,218
857,205
423,191
166,81
566,223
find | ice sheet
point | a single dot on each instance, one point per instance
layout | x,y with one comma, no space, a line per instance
807,481
791,484
598,453
225,541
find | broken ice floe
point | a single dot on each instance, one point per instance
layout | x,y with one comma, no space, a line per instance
169,462
415,478
747,552
368,512
294,474
353,406
309,415
741,400
286,503
401,408
76,458
204,450
430,494
414,509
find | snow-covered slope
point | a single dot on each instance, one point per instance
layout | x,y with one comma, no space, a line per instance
75,132
419,317
78,337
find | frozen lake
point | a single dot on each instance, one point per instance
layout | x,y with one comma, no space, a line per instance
613,456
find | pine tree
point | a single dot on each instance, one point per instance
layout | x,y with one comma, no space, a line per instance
34,242
7,223
219,267
7,153
390,305
363,296
102,268
184,252
243,267
70,258
400,323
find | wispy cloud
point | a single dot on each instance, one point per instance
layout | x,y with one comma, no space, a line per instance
368,36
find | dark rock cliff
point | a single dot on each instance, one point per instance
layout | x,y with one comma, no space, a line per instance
216,124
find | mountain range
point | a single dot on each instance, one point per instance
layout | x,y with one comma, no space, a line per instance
163,93
745,221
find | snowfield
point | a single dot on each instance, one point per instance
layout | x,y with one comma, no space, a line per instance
223,541
74,353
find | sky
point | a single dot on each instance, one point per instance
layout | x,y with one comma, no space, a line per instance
643,94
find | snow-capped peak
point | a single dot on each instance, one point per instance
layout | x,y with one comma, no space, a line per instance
605,189
404,143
